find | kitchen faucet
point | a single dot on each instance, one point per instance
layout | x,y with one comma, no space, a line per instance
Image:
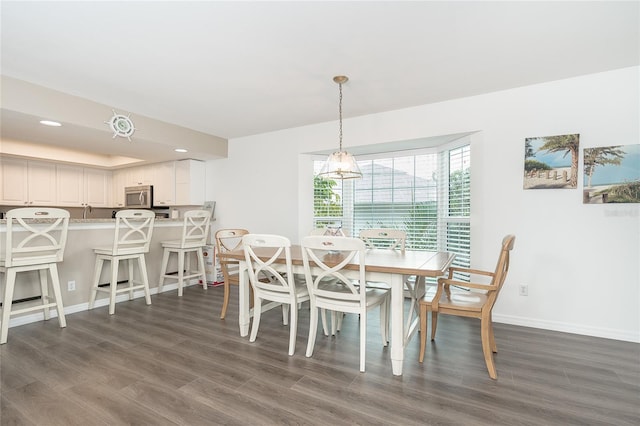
84,212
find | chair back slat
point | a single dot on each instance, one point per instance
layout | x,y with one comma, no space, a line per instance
262,273
331,255
328,231
35,235
229,239
392,239
195,228
134,228
502,267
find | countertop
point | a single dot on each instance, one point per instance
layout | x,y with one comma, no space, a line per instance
96,222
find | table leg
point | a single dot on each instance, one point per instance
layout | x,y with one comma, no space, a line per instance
397,323
243,301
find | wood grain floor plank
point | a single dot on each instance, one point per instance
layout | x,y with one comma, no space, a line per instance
236,404
176,362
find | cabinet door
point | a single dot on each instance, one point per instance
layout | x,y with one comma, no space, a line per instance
42,183
140,175
118,182
69,183
164,184
13,188
96,187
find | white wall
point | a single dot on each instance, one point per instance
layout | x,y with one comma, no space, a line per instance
581,262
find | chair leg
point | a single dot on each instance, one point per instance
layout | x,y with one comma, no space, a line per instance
293,330
257,313
225,302
130,269
96,280
9,284
313,329
384,318
187,261
492,338
334,322
434,324
423,330
113,286
363,339
485,331
55,285
323,316
163,269
201,270
180,272
285,314
142,264
44,289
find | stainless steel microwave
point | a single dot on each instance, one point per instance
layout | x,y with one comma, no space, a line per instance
138,197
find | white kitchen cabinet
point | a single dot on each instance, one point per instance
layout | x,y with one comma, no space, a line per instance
78,186
14,188
175,183
97,188
70,187
140,175
190,182
119,181
27,183
164,184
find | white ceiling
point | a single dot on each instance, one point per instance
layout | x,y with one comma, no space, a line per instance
233,69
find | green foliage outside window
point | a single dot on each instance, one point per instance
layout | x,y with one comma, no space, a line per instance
326,202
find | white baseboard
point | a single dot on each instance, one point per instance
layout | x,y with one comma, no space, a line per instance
606,333
104,301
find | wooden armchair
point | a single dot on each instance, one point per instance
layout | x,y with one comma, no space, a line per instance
228,240
468,303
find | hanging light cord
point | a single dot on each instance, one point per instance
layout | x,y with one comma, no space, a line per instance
340,115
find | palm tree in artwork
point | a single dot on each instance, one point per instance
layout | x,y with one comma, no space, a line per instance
569,144
594,157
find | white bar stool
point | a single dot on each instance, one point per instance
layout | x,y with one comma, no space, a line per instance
195,230
131,242
36,238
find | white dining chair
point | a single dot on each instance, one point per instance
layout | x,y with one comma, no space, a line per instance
336,317
395,239
330,256
133,231
35,241
279,286
195,230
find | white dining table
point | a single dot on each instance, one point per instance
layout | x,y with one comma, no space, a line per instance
389,266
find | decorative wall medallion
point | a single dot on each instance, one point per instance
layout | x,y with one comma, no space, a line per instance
121,125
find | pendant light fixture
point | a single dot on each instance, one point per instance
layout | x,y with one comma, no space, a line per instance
340,164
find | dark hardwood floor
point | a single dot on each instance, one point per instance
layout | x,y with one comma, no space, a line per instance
176,362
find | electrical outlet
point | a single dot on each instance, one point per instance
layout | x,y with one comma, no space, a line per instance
71,286
524,290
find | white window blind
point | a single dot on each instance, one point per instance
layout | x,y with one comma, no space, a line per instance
428,196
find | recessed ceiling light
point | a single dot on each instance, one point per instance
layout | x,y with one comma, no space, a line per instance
180,150
50,123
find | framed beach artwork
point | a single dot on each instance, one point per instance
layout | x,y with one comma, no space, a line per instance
612,174
551,162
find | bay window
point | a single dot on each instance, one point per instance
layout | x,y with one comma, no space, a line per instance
426,194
